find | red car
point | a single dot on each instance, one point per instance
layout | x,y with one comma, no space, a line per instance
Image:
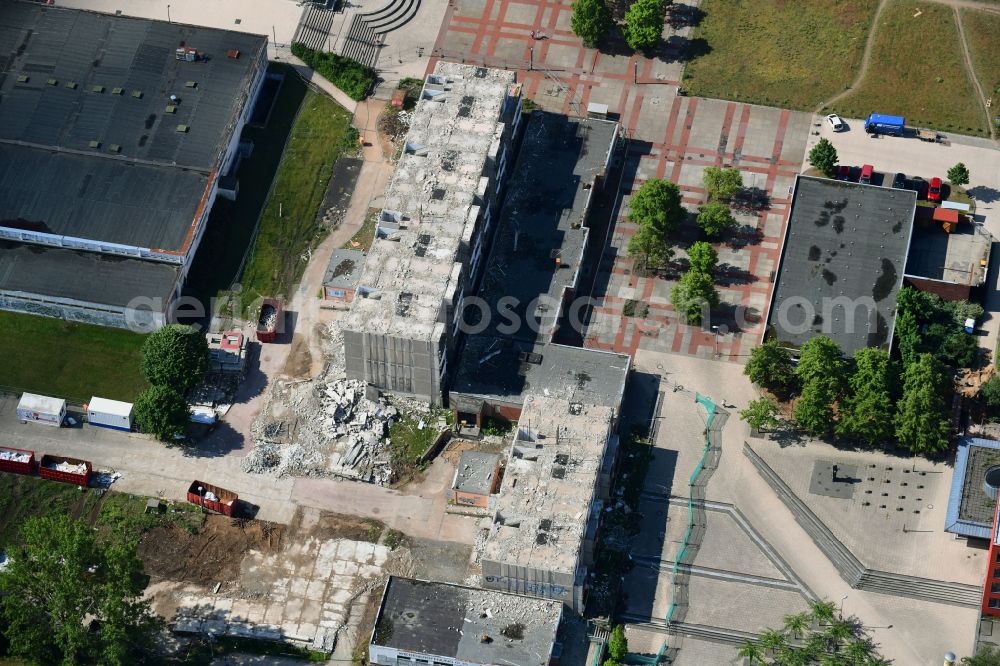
934,191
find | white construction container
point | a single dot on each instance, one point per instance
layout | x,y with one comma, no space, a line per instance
41,409
112,414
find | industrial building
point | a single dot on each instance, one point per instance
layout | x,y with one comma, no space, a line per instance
114,134
430,238
421,622
541,542
849,248
340,282
841,264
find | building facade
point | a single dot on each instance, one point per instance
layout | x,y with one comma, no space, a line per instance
430,238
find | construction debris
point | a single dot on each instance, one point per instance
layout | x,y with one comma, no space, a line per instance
340,432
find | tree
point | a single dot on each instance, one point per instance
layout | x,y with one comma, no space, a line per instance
649,247
958,175
175,356
657,211
990,391
987,655
58,580
161,411
761,414
750,652
927,323
823,612
821,371
590,20
770,366
702,257
693,296
922,423
644,24
657,203
715,217
872,393
797,624
823,156
722,184
617,644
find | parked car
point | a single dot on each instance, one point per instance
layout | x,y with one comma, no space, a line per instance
843,172
836,123
934,191
918,185
867,170
899,181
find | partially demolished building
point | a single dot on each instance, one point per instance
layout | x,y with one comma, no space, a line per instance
548,514
432,234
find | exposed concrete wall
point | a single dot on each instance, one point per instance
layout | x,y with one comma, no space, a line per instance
533,582
84,312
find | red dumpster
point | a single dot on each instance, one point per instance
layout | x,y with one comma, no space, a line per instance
17,461
212,497
67,470
270,322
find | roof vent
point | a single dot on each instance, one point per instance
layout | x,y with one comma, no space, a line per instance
115,148
94,144
183,129
137,94
71,85
233,53
53,82
117,91
171,108
190,84
97,89
22,78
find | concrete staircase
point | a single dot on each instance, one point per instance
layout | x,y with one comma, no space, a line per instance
314,27
856,574
367,32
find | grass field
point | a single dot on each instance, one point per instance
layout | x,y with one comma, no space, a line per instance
929,86
73,361
981,32
23,497
288,226
778,52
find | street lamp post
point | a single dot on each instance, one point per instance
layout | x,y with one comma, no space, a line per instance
168,13
201,496
842,605
715,331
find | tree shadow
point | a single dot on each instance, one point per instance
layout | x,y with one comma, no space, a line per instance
983,193
751,200
744,235
217,442
728,275
681,16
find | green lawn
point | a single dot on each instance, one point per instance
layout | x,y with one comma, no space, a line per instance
982,31
288,226
23,497
918,72
792,54
74,361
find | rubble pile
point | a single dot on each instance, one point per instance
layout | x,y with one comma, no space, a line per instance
14,456
69,468
269,318
339,431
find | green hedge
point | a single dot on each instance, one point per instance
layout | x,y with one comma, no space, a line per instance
349,75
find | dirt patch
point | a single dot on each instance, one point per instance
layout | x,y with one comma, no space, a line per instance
456,447
339,526
299,361
212,555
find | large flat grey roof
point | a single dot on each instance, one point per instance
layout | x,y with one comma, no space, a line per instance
475,472
93,49
440,619
506,370
844,241
97,198
83,276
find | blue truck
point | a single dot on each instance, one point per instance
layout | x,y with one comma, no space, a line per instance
877,123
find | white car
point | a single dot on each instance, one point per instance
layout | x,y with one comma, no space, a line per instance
836,123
